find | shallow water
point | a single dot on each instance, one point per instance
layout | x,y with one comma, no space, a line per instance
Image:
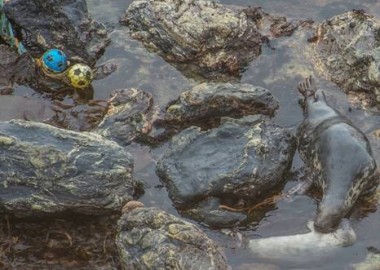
141,69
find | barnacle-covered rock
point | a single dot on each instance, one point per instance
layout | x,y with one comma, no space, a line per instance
241,159
149,238
130,114
201,38
347,51
45,170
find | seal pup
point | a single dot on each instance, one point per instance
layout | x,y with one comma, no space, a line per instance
312,243
338,155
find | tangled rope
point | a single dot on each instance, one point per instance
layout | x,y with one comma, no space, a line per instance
7,33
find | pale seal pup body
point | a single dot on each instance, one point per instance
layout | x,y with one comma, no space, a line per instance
312,243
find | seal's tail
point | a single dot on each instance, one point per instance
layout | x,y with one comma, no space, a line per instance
307,87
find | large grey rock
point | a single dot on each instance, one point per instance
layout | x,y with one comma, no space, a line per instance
215,100
43,24
201,38
149,238
242,159
347,49
46,170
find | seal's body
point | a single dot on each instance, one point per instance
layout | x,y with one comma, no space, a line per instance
338,154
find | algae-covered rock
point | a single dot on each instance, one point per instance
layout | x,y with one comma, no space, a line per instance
46,170
347,51
149,238
242,159
130,114
215,100
43,24
201,38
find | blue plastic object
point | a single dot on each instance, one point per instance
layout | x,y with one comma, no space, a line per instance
54,60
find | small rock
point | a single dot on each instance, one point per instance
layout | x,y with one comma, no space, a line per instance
214,100
149,238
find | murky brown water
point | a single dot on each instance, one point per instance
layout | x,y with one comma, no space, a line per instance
141,69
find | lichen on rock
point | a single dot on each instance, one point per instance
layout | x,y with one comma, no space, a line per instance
203,39
130,114
149,238
215,100
347,52
47,170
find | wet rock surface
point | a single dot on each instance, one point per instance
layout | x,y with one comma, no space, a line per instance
215,100
8,57
45,170
17,107
346,50
201,38
129,115
149,238
84,244
242,159
126,115
13,68
39,24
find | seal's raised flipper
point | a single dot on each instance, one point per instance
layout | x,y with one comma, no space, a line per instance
307,87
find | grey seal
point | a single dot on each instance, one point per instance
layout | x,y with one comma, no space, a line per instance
338,155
